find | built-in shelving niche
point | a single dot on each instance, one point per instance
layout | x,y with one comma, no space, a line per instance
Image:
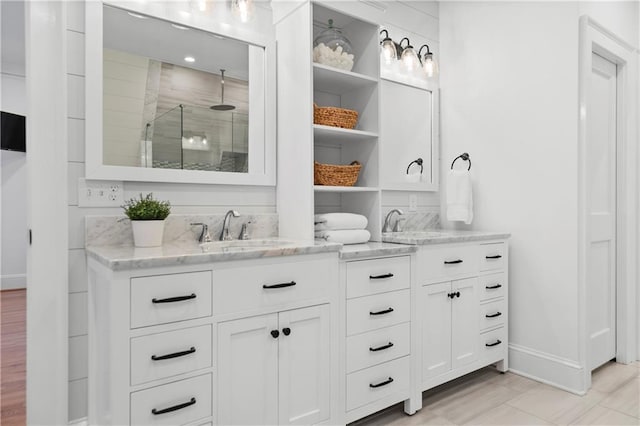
356,89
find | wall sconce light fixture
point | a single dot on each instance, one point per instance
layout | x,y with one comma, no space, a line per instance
387,49
429,64
409,59
242,10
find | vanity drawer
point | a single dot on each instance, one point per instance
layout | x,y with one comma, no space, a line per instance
492,256
493,345
190,400
377,311
366,277
369,385
492,286
447,261
492,314
378,346
261,286
162,299
161,355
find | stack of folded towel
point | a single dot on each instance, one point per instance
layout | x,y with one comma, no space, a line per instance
345,228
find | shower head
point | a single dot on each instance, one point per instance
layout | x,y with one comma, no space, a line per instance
222,106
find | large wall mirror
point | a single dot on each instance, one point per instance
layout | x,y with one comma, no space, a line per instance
176,103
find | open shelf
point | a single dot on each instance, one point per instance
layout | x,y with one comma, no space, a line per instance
332,80
336,135
324,188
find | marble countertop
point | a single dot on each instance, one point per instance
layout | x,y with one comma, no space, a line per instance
126,257
441,236
370,249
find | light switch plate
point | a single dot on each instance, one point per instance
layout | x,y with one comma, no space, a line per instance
413,202
100,193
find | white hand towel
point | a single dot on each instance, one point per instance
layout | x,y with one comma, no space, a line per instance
336,221
459,196
349,236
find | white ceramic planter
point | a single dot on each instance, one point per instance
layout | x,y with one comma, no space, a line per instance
147,233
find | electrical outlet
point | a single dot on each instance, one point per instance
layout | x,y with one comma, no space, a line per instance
413,202
98,193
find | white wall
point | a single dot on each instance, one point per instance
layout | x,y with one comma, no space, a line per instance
184,199
13,267
509,80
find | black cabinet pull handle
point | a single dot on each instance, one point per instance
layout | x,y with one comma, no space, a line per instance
174,299
496,343
286,331
156,412
377,385
381,348
173,355
456,294
379,277
451,295
452,262
275,334
493,287
497,314
281,285
497,256
386,311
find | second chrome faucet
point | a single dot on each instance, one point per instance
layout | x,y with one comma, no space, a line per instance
224,234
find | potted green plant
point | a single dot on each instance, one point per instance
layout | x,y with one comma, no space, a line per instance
147,217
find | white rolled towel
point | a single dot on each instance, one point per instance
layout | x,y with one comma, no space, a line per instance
459,196
339,221
348,236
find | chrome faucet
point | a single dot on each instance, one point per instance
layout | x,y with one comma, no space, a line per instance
387,221
204,235
224,235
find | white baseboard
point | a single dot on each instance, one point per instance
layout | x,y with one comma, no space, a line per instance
13,282
547,368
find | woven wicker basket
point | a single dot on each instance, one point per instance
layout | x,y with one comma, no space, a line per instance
335,117
334,175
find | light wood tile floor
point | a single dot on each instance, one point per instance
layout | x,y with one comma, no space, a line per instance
13,340
487,397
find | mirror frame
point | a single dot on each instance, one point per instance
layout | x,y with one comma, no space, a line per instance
262,171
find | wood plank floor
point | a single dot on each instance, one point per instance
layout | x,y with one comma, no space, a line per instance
13,351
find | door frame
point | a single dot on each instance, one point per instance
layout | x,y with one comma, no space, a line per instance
595,38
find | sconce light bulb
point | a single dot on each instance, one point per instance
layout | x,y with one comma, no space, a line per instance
204,141
242,9
191,140
429,65
409,59
388,52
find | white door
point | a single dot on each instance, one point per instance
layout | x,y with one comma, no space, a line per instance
601,205
248,371
465,322
436,329
305,365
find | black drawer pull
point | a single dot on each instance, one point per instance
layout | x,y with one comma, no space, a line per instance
156,412
281,285
497,256
377,385
381,348
275,334
493,287
452,262
173,355
386,311
379,277
497,314
496,343
286,331
174,299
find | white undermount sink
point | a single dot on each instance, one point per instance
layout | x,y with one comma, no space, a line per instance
242,244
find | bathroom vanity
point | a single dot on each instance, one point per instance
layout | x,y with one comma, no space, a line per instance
286,332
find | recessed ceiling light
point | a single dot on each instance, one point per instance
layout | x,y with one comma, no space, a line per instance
179,27
189,59
135,15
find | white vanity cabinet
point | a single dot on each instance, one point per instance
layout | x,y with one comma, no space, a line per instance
251,341
463,309
379,367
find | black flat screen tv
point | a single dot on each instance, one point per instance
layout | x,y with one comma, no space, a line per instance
13,132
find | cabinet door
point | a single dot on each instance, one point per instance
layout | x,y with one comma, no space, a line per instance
248,371
465,321
305,366
436,329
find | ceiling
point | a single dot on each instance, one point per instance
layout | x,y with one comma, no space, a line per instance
159,40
